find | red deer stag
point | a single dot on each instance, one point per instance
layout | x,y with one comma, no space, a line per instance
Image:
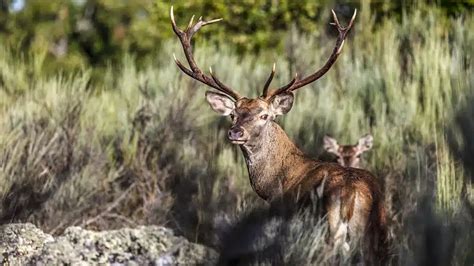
348,155
277,167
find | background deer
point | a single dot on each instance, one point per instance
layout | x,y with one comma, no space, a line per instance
277,167
348,155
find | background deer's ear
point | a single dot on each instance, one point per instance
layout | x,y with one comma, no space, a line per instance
282,103
330,145
220,103
365,143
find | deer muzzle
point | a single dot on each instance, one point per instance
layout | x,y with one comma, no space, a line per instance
237,135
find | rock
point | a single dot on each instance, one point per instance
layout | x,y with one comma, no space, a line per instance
19,242
151,245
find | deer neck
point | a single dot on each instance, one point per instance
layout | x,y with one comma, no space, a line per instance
272,160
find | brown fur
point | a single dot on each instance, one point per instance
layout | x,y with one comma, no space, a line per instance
348,155
277,168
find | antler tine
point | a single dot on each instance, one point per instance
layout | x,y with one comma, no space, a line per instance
224,88
336,21
282,89
352,19
194,71
292,86
287,86
190,22
200,24
269,81
173,23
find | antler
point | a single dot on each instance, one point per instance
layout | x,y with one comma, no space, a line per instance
195,73
294,85
269,80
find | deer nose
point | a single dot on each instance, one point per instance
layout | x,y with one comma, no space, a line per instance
235,133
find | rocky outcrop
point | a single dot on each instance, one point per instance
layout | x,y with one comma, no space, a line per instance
22,244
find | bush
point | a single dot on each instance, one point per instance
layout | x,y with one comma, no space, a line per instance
142,147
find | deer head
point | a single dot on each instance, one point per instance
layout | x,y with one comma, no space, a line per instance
348,155
249,116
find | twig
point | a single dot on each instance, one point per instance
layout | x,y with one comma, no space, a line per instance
121,217
110,208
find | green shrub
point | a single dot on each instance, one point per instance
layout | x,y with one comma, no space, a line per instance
142,146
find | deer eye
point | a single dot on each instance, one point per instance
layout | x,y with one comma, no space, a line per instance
232,116
264,117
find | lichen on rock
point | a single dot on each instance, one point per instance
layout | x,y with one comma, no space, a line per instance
26,244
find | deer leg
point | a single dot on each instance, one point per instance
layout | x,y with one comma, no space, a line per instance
359,216
340,211
358,221
338,228
347,206
347,211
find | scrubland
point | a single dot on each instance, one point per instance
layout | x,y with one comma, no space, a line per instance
141,146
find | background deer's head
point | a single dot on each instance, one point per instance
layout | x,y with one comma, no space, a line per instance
348,155
249,116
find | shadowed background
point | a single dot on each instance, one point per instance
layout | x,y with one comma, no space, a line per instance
98,127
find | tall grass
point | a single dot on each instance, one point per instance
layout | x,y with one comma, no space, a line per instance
143,147
449,181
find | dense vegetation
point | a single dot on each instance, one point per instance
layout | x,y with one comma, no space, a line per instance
78,34
133,142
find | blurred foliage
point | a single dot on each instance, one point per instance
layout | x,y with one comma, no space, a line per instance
142,147
79,33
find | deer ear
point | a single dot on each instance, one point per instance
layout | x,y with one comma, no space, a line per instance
220,103
365,143
330,144
282,103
